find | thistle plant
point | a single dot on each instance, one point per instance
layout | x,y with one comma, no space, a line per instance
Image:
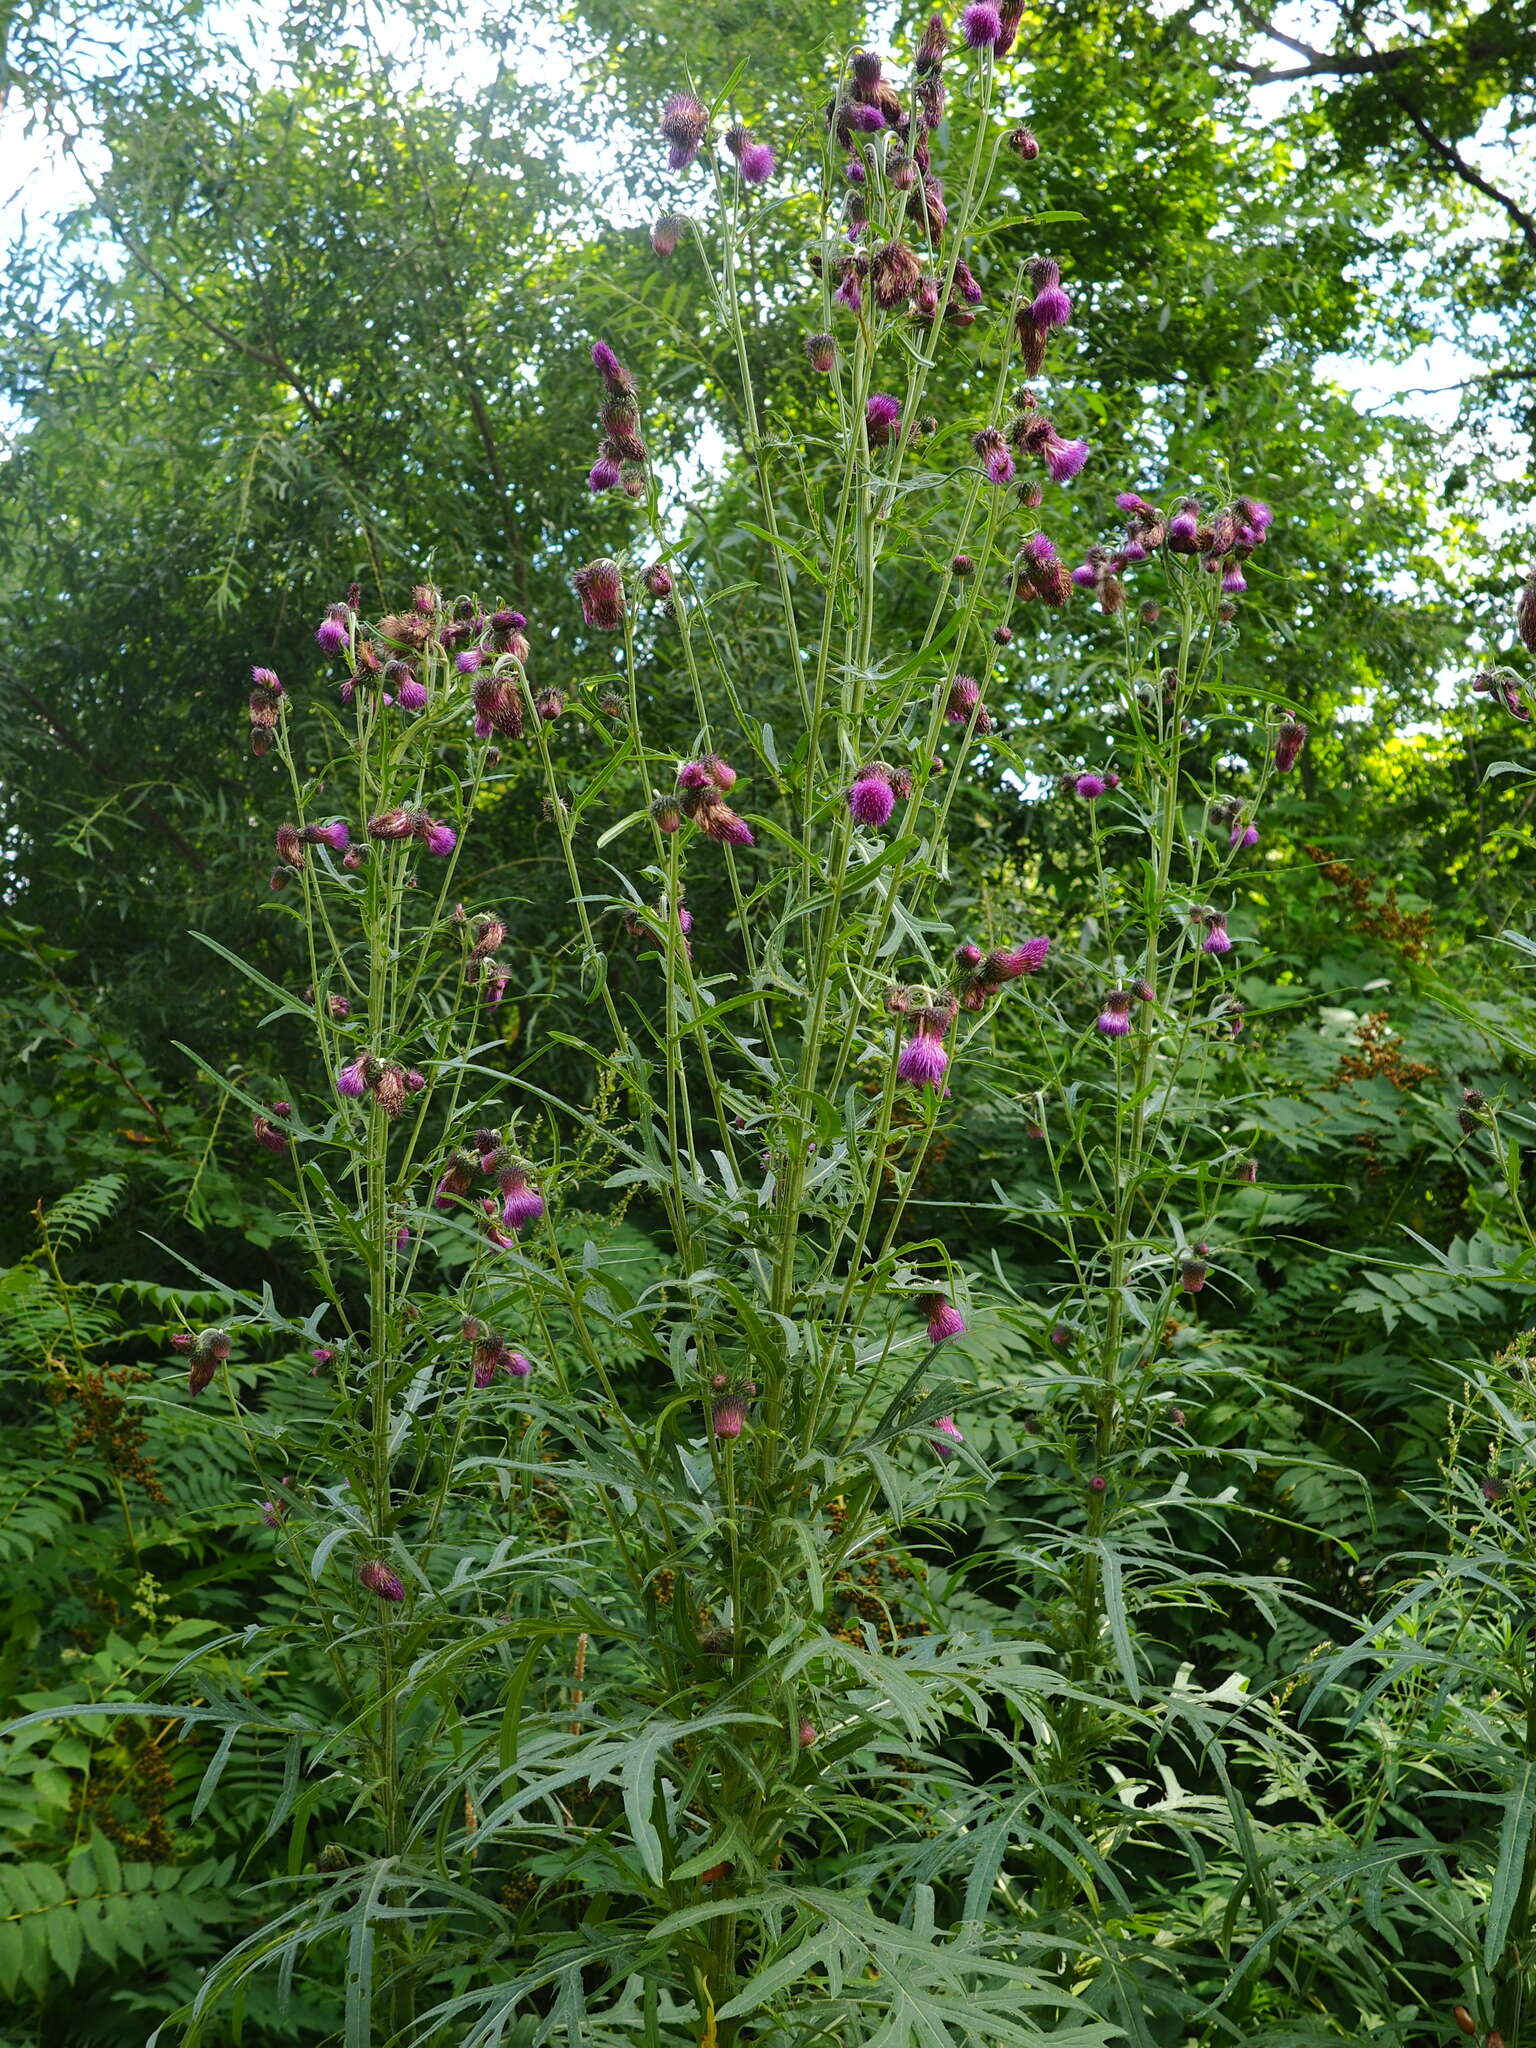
642,1713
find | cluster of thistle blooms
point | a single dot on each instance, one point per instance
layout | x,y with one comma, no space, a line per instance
924,1059
491,1159
491,1354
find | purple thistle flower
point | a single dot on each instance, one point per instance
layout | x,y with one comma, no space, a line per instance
923,1058
1114,1019
981,25
946,1435
322,1355
667,233
611,370
469,661
331,636
1234,580
966,284
807,1734
272,1513
352,1080
378,1578
1050,306
1090,786
604,473
439,839
995,458
413,695
520,1203
516,1365
1244,835
483,1371
1184,526
861,119
334,835
1064,459
1217,940
684,123
964,696
882,417
755,161
850,292
1193,1271
871,798
944,1320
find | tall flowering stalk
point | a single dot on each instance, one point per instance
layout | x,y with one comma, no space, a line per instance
603,1704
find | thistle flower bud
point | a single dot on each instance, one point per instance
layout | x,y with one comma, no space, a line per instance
600,587
667,813
1023,144
931,48
668,232
807,1736
1098,1483
962,700
1193,1272
290,846
1143,990
377,1577
820,352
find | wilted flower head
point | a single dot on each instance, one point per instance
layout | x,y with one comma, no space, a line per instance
600,586
684,123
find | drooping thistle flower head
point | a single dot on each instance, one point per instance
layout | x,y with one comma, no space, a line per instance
657,579
754,160
993,452
458,1178
1290,740
521,1202
924,1058
894,275
944,1320
207,1350
333,635
1218,939
668,232
946,1435
266,1132
600,587
728,1415
806,1734
1114,1018
1194,1268
684,124
1024,144
821,352
377,1577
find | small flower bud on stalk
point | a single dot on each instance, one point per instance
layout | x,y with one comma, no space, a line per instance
379,1579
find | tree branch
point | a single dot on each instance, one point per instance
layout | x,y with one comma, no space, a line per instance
1469,174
